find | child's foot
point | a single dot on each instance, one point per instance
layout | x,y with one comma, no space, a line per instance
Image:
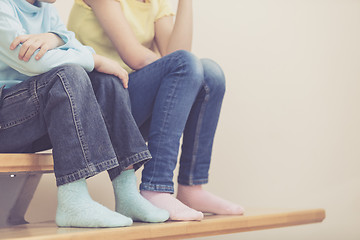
77,209
178,210
130,203
204,201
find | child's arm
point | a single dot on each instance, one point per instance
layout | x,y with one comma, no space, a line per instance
32,42
171,37
111,18
72,52
108,66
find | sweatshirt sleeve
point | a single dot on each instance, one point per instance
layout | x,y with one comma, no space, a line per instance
72,52
67,36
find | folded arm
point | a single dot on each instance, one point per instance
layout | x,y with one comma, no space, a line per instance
31,42
19,55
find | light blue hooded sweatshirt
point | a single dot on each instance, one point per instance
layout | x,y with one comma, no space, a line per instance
18,17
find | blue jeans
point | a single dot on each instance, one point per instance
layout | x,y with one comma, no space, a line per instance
86,119
174,96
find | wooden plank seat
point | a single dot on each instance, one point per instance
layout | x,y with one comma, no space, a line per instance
19,177
210,226
26,162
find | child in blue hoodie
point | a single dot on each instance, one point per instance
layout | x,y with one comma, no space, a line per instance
56,93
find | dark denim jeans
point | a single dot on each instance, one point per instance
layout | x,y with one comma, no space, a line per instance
174,96
86,119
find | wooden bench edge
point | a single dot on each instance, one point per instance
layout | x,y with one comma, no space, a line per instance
26,162
210,226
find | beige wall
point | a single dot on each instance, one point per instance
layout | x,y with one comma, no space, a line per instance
289,134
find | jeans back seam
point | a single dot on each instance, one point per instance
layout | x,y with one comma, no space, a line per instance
197,131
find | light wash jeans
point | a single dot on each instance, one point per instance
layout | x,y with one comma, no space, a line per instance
174,96
86,119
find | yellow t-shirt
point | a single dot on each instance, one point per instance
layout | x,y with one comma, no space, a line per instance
141,17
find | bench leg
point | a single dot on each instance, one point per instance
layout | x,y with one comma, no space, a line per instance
16,192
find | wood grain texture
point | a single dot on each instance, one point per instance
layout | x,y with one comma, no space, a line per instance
211,225
26,162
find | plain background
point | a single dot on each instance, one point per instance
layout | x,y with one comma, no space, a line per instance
289,133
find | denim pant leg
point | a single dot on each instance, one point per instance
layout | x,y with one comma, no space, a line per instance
114,101
20,122
201,126
62,104
164,91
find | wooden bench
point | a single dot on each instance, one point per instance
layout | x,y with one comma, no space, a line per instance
19,177
210,226
21,173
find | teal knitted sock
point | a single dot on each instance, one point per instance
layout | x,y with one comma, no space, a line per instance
77,209
130,203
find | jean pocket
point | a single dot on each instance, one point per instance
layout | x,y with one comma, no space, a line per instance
16,107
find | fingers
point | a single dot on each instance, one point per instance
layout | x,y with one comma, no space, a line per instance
124,77
26,47
43,49
18,40
29,46
125,83
108,66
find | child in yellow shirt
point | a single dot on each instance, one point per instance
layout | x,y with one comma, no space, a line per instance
172,93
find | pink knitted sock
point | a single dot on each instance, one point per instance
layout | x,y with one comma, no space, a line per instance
204,201
178,211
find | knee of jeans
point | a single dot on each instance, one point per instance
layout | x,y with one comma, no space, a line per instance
72,69
213,75
75,75
192,67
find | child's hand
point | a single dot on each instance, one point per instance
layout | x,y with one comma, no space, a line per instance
33,42
109,66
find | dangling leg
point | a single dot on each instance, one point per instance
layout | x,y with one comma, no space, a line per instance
63,99
129,146
197,146
45,114
165,91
